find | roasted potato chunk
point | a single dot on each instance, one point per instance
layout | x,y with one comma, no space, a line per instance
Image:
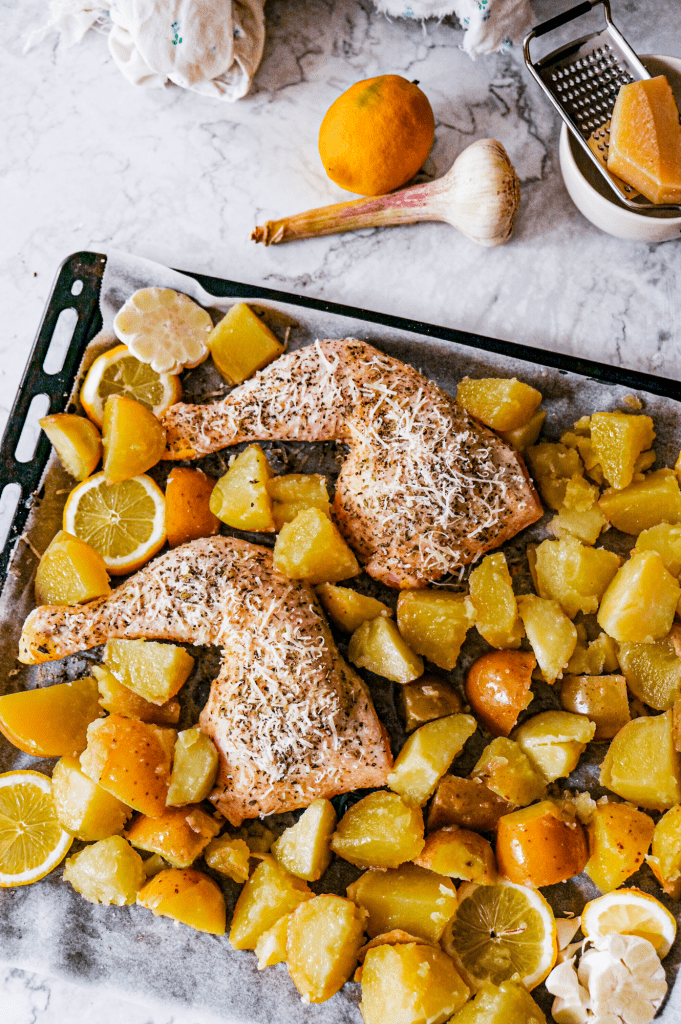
459,853
579,515
294,492
573,574
665,858
229,856
348,609
498,403
179,835
410,898
195,765
525,436
132,438
508,772
270,893
466,802
153,670
498,688
540,845
50,721
70,572
109,871
552,636
425,700
410,984
117,699
76,441
311,548
508,1003
379,831
590,659
641,764
427,755
187,896
653,672
603,699
241,343
270,948
618,439
188,514
639,604
434,623
496,609
304,849
644,503
553,466
323,940
379,647
240,498
554,741
84,809
666,540
619,839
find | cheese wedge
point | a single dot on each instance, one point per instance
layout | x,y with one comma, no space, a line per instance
645,140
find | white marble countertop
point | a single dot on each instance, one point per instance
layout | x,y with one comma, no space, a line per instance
89,161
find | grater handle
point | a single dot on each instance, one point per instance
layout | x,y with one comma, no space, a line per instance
564,18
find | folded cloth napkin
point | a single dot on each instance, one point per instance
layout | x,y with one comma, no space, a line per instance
212,47
489,24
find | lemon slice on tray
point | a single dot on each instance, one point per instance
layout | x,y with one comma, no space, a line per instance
118,372
164,328
32,842
630,912
502,932
124,521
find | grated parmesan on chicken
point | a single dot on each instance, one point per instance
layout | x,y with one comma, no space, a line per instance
424,490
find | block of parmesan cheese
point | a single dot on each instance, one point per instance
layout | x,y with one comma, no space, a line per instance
645,140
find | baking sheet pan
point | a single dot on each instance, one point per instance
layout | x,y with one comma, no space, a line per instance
49,927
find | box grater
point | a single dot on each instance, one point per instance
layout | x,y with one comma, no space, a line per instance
582,79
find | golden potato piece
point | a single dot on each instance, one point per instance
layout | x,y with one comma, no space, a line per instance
241,343
508,1003
229,856
573,574
590,659
323,940
70,572
459,853
153,670
508,772
76,441
540,845
653,672
425,700
618,439
466,802
552,467
525,436
240,498
665,858
410,898
294,492
84,809
644,503
579,514
619,839
304,849
132,438
195,765
554,741
603,699
666,540
379,647
188,514
551,634
379,831
498,688
641,764
50,721
179,835
270,948
639,604
311,548
270,893
187,896
348,609
492,597
427,755
108,872
502,404
410,984
434,623
117,699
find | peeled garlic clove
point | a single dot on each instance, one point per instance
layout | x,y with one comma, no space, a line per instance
572,1000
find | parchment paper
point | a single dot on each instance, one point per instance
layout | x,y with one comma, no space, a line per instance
47,926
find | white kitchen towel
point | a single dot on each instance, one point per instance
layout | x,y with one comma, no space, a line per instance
489,25
212,47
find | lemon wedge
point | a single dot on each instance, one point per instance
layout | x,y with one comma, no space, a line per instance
118,372
32,842
164,328
503,932
124,522
630,912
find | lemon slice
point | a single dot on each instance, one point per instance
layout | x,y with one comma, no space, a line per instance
164,328
501,933
630,912
32,842
124,521
118,372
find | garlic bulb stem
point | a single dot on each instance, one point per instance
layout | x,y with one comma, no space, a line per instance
479,196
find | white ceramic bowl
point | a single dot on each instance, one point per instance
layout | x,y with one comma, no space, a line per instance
590,193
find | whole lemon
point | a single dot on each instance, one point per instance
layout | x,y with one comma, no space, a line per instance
376,135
